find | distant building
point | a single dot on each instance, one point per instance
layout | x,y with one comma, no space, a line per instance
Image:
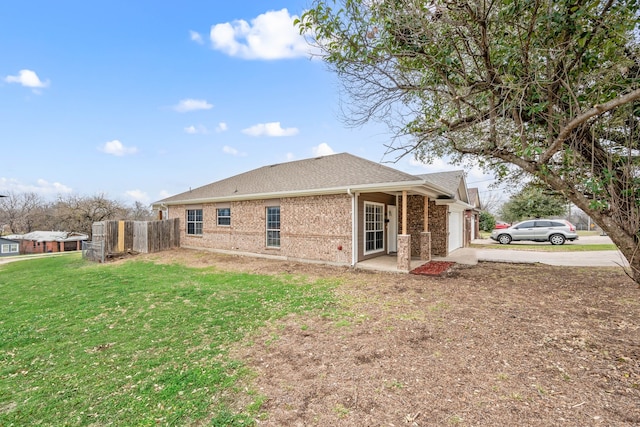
38,242
9,247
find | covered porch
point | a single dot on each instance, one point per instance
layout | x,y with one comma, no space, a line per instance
409,225
389,263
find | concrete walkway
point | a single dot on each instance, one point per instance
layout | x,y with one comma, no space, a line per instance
7,259
612,258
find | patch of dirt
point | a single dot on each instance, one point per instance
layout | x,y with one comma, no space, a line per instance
489,345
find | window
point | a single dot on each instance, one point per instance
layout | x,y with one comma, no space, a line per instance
224,216
194,221
528,224
373,227
273,226
9,248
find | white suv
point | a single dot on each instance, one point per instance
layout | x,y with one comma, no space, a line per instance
556,231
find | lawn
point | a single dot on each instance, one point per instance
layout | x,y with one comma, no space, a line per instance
134,343
189,337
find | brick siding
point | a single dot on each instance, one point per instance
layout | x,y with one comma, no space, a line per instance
312,228
438,225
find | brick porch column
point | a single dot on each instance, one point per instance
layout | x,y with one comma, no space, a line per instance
404,252
425,246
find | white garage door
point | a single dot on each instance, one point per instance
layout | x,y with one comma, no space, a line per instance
455,230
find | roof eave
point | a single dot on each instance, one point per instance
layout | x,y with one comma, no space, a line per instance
419,186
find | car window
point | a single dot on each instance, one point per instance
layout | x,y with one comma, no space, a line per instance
543,223
526,224
557,224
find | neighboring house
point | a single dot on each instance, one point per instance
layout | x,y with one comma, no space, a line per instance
338,209
473,215
9,247
38,242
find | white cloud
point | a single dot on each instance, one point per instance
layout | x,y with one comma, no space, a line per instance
322,150
437,165
138,196
271,35
196,130
234,152
27,78
290,157
196,37
269,129
187,105
41,187
164,194
116,148
222,127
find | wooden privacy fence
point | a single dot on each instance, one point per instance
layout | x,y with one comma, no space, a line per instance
137,236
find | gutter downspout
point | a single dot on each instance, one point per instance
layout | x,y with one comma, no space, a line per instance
354,227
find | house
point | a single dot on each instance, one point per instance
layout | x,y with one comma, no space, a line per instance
456,183
473,215
9,247
338,209
37,242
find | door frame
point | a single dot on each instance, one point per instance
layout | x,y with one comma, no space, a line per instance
392,229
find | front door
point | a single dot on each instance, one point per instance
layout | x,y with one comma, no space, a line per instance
392,229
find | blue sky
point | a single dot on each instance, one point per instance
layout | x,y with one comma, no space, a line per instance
140,100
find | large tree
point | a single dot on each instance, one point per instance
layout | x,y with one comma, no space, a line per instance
533,201
21,212
78,213
549,88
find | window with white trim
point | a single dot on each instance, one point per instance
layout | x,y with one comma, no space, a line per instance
373,227
224,216
273,226
9,248
194,222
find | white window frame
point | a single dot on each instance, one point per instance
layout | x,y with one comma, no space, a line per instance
219,217
376,224
270,242
9,248
197,224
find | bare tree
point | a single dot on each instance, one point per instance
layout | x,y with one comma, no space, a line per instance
140,212
78,213
21,212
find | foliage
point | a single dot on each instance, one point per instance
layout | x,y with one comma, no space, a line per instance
135,343
545,88
487,221
533,202
25,212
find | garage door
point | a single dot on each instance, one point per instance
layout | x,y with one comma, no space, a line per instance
455,230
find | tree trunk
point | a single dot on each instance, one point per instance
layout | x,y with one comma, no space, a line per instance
626,243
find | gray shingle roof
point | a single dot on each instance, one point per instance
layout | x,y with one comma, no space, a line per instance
449,180
474,197
49,236
327,172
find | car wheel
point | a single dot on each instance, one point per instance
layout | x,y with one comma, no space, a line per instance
557,239
504,239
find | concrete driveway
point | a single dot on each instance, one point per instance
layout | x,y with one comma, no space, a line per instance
611,258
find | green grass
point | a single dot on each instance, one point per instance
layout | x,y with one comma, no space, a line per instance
135,343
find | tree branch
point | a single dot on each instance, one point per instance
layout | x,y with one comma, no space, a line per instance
584,117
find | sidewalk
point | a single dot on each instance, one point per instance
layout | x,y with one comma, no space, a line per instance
8,259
